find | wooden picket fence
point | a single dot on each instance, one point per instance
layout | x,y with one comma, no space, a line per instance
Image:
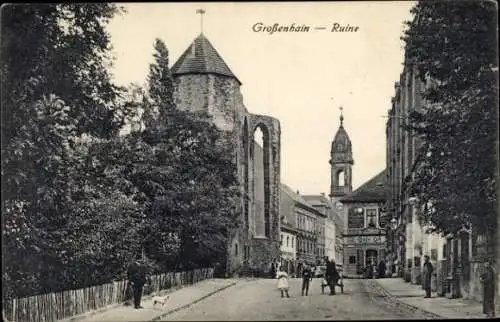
66,304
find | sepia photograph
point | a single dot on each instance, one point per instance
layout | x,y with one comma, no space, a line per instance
250,161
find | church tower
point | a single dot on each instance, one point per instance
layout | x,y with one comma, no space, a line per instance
341,162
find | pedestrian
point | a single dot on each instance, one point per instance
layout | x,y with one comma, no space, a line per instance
306,279
381,269
137,279
129,294
374,270
331,275
282,277
273,270
488,280
368,271
427,276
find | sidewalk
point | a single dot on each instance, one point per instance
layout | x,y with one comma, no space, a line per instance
413,295
179,299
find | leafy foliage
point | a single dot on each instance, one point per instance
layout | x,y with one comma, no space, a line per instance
191,186
80,201
59,49
159,101
60,102
452,47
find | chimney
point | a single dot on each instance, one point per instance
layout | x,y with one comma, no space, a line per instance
298,192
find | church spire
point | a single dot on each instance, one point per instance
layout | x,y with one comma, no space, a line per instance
341,161
341,116
341,145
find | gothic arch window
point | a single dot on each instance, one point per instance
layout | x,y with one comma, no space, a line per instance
246,170
262,187
258,136
341,178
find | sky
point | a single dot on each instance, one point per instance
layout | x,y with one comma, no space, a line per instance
299,78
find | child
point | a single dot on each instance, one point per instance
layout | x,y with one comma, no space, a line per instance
282,282
306,279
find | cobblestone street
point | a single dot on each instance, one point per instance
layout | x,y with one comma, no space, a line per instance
260,300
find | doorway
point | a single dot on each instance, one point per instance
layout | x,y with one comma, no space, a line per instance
371,257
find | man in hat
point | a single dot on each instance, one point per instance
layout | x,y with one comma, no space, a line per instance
137,279
427,276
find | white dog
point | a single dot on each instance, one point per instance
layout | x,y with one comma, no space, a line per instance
160,300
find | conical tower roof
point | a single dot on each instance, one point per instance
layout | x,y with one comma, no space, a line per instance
201,58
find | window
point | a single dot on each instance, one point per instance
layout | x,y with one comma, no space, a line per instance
352,259
292,241
341,178
287,240
246,252
235,249
371,218
281,239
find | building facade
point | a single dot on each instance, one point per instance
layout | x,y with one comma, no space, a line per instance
288,260
364,226
409,241
308,220
288,229
331,241
458,259
330,235
337,217
204,82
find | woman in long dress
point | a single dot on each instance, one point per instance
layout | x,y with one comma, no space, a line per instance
282,282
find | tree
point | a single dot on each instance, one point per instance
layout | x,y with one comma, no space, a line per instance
452,47
191,183
55,89
60,49
160,86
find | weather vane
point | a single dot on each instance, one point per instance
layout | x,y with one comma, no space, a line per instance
201,12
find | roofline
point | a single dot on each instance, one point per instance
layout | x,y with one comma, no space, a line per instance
310,207
287,227
207,73
363,200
